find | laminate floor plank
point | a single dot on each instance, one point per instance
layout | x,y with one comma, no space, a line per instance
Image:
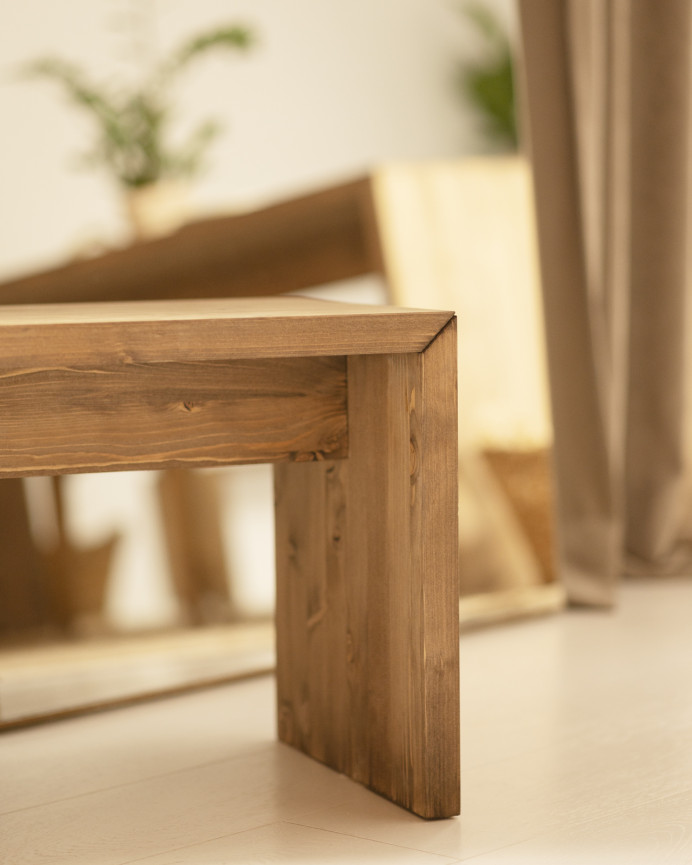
48,763
171,811
658,833
511,800
576,748
287,842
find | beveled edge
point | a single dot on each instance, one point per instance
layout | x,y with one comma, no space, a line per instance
235,328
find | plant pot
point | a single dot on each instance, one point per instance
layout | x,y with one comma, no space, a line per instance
157,209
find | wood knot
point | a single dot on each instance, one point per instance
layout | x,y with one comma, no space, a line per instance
413,460
350,648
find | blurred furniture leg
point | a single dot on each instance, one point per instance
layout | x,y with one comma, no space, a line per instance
194,541
47,591
25,600
78,575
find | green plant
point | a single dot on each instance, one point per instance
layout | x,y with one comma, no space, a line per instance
489,83
134,125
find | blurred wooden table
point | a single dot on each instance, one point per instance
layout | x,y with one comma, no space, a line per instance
414,226
356,405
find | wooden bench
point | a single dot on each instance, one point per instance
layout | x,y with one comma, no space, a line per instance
356,405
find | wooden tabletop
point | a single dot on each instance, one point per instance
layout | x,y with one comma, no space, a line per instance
177,330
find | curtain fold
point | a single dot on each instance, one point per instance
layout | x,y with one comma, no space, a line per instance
606,109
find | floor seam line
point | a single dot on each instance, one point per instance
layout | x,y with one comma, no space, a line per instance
372,840
199,843
127,784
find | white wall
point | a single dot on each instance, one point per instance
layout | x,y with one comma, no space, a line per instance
333,87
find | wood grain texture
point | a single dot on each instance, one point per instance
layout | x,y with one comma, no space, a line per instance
137,416
305,241
367,614
367,592
157,331
313,641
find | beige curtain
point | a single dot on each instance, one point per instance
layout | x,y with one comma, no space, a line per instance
607,92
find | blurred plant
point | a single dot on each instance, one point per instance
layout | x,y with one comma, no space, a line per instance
134,124
489,83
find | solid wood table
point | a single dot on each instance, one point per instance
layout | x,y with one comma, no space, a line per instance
356,405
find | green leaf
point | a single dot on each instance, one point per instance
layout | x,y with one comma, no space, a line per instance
233,37
492,91
97,103
489,83
132,127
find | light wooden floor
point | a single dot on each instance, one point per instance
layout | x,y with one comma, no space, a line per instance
576,748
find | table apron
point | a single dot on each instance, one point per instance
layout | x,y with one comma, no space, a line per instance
64,420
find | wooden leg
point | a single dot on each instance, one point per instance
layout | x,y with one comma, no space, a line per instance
367,591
